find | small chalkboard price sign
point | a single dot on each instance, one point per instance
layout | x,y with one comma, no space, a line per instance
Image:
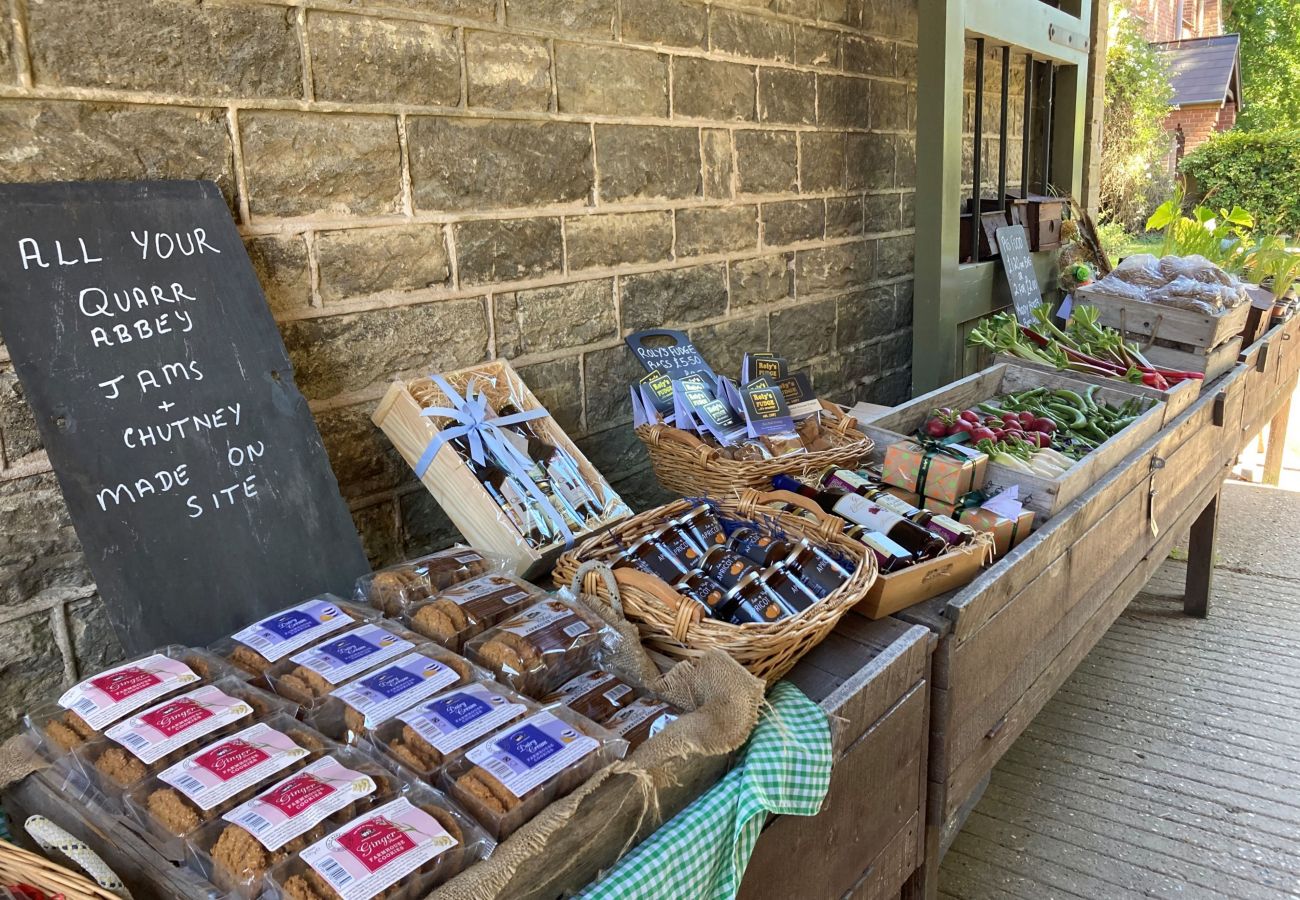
1013,244
195,475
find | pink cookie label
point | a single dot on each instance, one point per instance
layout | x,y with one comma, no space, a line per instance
217,773
109,696
371,855
300,802
172,724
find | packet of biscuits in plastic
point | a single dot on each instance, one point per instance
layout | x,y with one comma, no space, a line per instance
84,710
426,737
258,647
391,590
462,611
542,646
363,704
236,851
153,739
308,676
400,851
506,779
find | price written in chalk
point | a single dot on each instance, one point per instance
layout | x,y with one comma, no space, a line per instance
192,467
1013,247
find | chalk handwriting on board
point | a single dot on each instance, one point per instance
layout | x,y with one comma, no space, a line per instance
1013,244
192,467
670,352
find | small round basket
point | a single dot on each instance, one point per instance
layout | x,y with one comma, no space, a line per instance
19,866
687,466
677,627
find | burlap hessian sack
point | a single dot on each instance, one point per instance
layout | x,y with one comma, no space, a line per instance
571,841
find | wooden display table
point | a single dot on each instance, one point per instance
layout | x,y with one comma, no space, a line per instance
1008,640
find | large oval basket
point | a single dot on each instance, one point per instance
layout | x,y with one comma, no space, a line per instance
677,628
687,466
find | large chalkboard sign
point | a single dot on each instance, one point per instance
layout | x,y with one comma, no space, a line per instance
194,472
1013,243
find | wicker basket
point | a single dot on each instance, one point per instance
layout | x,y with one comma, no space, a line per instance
677,627
19,866
687,466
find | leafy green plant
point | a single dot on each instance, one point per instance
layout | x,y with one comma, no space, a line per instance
1270,61
1258,171
1222,236
1273,265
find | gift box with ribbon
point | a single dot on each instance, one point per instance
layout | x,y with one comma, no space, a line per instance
934,468
496,461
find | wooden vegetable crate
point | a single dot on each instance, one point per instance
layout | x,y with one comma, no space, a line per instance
1160,322
1176,399
1044,496
469,506
1212,361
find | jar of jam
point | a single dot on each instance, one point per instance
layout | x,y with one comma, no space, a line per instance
816,569
648,555
764,549
678,541
794,595
703,526
703,590
726,567
750,603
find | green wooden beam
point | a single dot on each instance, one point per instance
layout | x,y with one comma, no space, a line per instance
941,63
1032,25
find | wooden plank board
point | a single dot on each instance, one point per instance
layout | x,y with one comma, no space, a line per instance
873,795
892,868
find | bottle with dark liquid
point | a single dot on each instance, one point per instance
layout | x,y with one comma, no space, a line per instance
859,510
946,527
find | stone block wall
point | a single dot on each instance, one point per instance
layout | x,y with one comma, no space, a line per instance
425,184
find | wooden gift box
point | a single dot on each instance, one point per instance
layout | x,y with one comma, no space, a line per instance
469,506
1044,496
893,591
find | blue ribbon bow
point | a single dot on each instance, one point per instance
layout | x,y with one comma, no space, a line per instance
482,430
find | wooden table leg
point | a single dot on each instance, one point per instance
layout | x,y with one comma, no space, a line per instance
1276,448
1200,560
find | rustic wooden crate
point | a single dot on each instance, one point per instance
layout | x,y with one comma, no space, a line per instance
1047,497
1176,399
1042,218
1161,322
893,591
872,679
458,492
1213,361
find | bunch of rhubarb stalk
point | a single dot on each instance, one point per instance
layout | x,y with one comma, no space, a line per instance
1084,345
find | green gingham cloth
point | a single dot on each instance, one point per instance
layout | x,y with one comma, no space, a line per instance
702,852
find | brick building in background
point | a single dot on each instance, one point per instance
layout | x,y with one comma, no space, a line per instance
1204,67
425,184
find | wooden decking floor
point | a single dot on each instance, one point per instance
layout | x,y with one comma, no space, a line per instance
1168,765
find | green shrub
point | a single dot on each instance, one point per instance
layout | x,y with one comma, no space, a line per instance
1256,170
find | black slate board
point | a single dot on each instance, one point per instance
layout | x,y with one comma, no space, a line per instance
249,532
1013,243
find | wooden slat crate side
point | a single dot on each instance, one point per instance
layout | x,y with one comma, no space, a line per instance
1047,497
892,867
826,855
1176,399
1213,362
1169,323
865,697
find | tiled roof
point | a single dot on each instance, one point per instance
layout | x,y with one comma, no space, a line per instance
1203,70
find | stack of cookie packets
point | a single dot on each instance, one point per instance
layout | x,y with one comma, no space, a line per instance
351,749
